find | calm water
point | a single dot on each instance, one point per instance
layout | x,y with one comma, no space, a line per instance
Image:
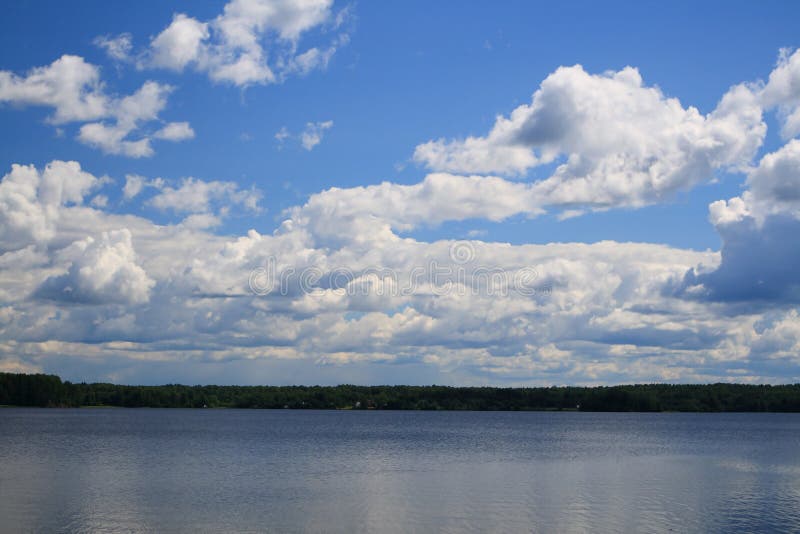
291,471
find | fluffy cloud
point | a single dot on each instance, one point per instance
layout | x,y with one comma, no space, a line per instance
774,186
616,141
783,90
759,227
175,131
758,263
179,44
370,212
164,294
73,88
104,270
251,42
198,196
69,85
31,201
135,184
204,203
337,288
129,113
758,230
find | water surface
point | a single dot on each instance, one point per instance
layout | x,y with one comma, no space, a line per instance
117,470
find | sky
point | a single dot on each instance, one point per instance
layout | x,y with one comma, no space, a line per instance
324,192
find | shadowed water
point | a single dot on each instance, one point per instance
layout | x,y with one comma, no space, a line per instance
295,471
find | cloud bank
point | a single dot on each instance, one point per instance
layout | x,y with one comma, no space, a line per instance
88,288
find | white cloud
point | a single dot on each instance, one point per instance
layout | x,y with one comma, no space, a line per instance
758,229
370,212
201,221
242,19
774,186
311,60
251,42
134,184
282,135
722,212
175,131
783,90
64,182
179,44
31,201
69,85
99,201
313,133
310,137
622,143
198,196
24,219
73,88
145,296
183,295
130,112
117,47
111,139
103,271
204,202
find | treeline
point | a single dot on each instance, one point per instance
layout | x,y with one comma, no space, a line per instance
50,391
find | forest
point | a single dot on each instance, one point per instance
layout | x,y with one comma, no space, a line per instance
50,391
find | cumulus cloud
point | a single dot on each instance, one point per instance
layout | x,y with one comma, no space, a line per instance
338,286
251,42
197,196
31,201
179,44
367,212
614,140
758,263
758,229
183,294
774,186
69,85
73,88
783,90
134,184
175,131
204,203
129,113
103,271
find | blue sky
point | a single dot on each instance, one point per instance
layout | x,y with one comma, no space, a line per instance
400,77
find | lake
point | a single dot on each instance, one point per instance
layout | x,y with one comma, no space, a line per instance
115,470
